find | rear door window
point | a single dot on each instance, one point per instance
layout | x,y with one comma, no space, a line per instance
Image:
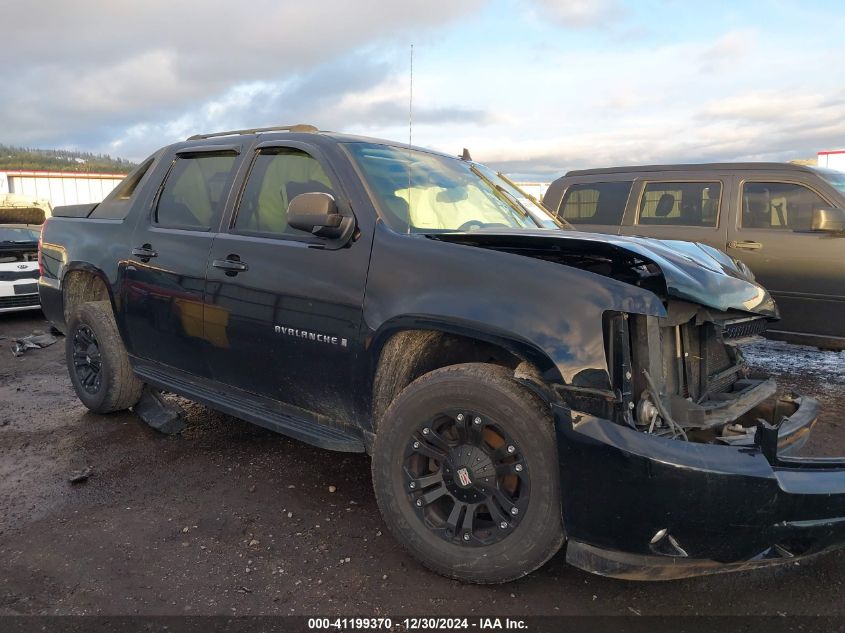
595,203
195,192
779,205
680,204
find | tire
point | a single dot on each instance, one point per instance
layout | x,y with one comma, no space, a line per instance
423,444
97,361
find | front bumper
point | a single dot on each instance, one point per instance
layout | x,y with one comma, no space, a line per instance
20,294
641,507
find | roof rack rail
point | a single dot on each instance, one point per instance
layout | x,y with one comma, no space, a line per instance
299,127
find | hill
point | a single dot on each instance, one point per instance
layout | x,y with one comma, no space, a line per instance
24,158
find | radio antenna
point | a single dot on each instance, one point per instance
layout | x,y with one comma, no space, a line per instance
410,133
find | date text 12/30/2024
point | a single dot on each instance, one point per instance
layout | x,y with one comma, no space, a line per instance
416,624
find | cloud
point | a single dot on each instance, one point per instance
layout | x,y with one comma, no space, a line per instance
581,13
358,94
536,88
728,50
95,67
753,126
771,106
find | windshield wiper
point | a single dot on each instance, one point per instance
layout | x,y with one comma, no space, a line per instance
527,195
506,195
539,203
515,200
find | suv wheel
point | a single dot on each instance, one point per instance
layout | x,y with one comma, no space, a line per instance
97,361
465,472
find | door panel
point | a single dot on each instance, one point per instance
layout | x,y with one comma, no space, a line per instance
803,271
287,326
164,274
163,298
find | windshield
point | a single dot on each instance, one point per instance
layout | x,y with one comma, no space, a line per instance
835,178
423,192
17,234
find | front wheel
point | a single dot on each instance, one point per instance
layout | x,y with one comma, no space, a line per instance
97,361
465,474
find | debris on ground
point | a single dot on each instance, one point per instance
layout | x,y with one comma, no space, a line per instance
163,415
36,340
80,476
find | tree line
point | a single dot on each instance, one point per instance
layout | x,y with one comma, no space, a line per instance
29,159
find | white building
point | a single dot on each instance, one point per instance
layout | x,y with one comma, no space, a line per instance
536,189
835,159
59,187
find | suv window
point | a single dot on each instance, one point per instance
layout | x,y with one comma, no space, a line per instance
128,185
779,205
195,191
595,203
680,203
277,177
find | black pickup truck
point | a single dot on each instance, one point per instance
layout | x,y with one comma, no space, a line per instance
518,384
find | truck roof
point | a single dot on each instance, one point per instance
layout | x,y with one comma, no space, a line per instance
298,131
693,167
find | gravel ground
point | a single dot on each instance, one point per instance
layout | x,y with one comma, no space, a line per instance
232,519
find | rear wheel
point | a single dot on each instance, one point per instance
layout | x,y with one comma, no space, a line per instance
97,361
465,474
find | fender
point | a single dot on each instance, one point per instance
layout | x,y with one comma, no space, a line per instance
498,294
470,329
86,289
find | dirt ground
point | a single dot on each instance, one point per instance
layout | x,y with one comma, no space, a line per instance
231,519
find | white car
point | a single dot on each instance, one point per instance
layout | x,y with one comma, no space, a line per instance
19,267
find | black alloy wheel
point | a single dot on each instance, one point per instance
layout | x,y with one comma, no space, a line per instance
466,479
87,361
97,362
465,471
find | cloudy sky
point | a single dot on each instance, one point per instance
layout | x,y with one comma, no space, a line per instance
533,87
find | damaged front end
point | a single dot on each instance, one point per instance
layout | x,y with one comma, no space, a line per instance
688,468
677,460
684,376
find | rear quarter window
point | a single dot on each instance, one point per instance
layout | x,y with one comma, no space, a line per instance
595,203
117,204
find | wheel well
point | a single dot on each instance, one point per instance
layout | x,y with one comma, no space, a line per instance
81,286
409,354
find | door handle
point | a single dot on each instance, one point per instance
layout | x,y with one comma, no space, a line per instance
144,252
747,245
232,265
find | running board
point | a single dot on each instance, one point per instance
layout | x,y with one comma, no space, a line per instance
317,431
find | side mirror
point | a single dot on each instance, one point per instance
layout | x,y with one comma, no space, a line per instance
828,220
316,213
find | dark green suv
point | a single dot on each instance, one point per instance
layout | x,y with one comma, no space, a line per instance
785,221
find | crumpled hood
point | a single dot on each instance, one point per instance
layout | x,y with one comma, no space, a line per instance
692,271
